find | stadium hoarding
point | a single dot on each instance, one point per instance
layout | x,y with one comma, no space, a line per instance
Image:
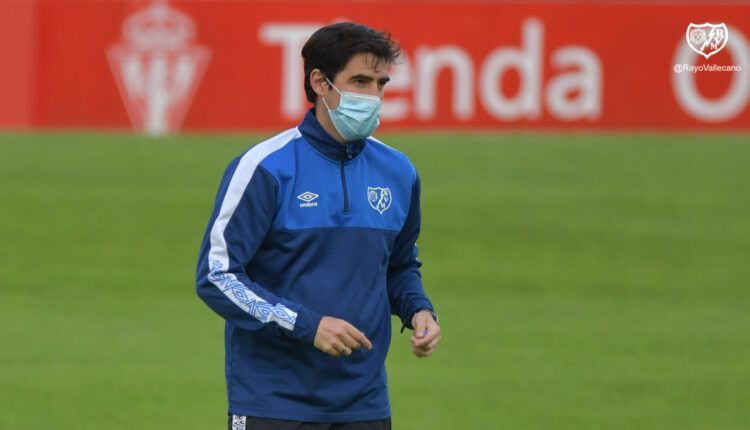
161,66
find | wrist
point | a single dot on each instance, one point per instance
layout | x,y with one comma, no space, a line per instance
306,327
428,310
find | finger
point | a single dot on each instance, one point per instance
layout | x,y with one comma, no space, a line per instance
420,327
349,341
427,348
421,353
359,337
433,344
427,339
342,349
346,351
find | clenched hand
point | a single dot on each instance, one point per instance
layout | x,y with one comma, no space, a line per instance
426,334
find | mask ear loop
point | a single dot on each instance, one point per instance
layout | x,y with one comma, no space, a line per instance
335,89
333,86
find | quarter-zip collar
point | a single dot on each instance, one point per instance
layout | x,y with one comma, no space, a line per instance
324,143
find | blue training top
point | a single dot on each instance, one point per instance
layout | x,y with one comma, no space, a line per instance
305,227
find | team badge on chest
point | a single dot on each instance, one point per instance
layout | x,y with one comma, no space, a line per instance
379,198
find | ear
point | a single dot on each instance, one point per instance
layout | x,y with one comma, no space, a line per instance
318,82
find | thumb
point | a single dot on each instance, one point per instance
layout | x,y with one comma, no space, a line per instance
420,326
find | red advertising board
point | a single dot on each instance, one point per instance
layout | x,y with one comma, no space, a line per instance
217,65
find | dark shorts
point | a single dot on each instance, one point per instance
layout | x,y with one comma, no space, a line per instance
237,422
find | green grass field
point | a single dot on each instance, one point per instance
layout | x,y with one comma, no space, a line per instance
583,282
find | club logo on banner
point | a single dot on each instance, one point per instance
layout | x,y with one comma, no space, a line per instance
707,39
157,68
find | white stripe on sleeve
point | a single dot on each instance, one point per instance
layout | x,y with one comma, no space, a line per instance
218,256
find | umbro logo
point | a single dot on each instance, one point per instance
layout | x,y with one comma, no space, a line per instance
239,422
307,197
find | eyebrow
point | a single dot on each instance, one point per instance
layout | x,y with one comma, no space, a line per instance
369,78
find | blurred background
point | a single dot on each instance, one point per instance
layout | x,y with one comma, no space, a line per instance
585,185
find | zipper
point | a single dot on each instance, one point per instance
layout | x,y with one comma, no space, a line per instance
343,187
349,155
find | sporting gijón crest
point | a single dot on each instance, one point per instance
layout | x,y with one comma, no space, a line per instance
157,68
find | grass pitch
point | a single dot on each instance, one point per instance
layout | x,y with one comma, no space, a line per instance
582,282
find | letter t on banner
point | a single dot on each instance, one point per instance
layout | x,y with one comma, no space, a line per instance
292,38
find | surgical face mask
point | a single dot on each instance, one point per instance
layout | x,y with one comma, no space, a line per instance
357,115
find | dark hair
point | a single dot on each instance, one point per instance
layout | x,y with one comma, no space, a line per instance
330,48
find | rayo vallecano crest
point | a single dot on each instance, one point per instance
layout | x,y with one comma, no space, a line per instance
379,198
707,39
157,67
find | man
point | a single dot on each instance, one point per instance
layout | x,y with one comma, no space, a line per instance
311,247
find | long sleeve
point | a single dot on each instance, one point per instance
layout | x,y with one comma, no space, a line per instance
243,213
405,291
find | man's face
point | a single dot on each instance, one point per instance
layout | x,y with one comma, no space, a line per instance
364,74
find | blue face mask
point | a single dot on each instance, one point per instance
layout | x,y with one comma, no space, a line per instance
357,116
